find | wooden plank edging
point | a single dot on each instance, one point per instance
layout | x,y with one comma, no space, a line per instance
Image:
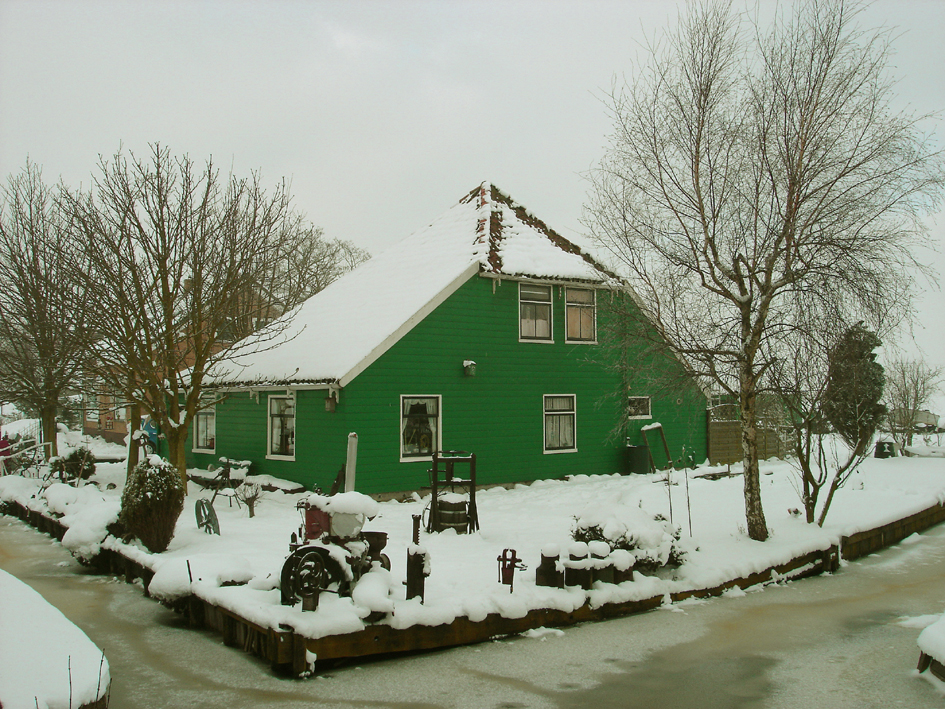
287,652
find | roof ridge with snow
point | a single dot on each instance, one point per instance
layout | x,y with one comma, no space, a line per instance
340,331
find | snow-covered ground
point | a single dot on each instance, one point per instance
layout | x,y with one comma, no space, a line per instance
46,662
464,570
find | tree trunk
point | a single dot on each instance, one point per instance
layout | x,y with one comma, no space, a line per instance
754,513
48,429
834,486
134,444
176,451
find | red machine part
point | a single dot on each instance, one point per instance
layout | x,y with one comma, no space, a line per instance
317,524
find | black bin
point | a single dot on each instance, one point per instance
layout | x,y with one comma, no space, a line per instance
885,449
638,459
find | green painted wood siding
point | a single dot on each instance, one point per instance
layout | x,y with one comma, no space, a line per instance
497,414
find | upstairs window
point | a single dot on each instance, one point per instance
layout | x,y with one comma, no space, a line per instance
638,407
559,423
534,312
581,315
91,407
205,430
281,427
419,426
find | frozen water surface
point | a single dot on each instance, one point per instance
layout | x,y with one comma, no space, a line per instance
837,641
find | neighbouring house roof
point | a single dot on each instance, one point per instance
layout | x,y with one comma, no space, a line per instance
921,418
340,331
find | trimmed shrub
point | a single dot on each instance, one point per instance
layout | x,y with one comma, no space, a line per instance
80,463
652,541
151,502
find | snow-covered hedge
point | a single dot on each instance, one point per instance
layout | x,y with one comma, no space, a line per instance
152,501
651,539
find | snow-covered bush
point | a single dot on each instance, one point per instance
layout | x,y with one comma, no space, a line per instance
80,463
152,501
652,540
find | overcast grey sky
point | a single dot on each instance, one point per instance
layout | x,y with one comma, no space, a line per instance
381,114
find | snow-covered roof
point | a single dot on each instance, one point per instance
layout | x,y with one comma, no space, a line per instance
340,331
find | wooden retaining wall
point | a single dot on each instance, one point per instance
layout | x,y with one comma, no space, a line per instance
863,543
286,652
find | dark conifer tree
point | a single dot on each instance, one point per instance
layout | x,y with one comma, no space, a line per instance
855,387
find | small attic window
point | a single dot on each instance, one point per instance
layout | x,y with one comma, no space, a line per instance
534,312
638,407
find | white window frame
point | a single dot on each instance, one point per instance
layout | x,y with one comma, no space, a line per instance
92,407
204,413
592,306
278,456
551,312
545,414
649,408
438,444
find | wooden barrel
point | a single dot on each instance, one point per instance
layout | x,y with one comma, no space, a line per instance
452,515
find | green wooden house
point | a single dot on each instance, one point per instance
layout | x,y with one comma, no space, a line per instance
478,333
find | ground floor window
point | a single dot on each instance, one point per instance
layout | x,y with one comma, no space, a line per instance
419,426
560,424
281,427
205,430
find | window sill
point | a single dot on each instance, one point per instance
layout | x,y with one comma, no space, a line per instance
535,340
209,451
563,450
580,342
290,458
649,417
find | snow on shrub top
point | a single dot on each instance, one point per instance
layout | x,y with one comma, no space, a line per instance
625,526
59,497
619,521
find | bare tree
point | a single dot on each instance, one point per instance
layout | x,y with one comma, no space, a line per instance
309,263
43,331
176,253
910,388
315,263
831,393
755,174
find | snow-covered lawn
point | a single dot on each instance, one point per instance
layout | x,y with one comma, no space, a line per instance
464,578
45,660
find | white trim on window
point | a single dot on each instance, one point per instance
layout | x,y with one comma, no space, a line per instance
636,405
92,412
423,440
208,419
584,311
286,428
532,308
559,423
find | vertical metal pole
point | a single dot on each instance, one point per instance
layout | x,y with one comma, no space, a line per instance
352,461
415,578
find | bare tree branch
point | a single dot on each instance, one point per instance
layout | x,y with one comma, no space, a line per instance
755,175
179,259
44,336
